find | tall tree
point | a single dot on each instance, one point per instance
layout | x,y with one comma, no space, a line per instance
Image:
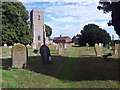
92,34
112,6
15,26
48,30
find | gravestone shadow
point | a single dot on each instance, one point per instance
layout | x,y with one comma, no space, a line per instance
73,69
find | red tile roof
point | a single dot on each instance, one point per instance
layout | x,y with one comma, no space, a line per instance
67,39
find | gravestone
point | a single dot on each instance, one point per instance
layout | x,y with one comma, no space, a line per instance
5,45
33,46
116,49
56,48
100,45
97,50
45,54
28,45
19,56
61,49
69,47
87,46
65,46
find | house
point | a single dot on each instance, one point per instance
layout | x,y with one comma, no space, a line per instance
62,40
75,40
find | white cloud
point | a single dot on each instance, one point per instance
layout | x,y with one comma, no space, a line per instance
74,16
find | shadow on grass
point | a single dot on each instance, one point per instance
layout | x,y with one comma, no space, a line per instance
73,69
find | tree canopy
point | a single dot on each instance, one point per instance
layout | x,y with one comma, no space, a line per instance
15,26
48,30
92,34
112,6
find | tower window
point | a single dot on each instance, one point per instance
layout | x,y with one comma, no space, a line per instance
38,37
38,17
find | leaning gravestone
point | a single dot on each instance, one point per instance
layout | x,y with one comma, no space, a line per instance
87,46
97,50
116,49
45,54
19,56
61,49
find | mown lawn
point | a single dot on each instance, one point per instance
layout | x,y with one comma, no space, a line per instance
78,68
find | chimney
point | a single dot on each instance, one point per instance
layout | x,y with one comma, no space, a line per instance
60,35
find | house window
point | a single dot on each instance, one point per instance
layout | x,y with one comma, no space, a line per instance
38,37
38,17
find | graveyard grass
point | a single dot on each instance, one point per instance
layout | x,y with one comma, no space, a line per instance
78,68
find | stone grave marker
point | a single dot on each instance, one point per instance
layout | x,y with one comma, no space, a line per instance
5,45
28,45
97,50
33,46
116,49
87,46
69,47
56,48
100,45
61,49
19,56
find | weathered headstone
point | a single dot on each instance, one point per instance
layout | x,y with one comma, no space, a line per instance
69,47
87,46
19,56
56,48
34,46
28,45
116,49
97,50
65,46
61,49
45,54
5,45
100,45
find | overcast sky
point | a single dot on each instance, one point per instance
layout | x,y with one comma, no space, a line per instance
68,17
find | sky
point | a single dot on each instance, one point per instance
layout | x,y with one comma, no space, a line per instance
68,17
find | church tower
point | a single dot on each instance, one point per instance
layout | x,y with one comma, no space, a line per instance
37,25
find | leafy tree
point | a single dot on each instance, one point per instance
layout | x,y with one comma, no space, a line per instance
92,34
15,26
112,6
48,30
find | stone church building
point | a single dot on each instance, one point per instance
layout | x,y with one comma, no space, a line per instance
37,26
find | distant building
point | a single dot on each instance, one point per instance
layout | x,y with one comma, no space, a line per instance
75,40
36,25
61,39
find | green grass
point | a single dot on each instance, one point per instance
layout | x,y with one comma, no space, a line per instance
78,68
